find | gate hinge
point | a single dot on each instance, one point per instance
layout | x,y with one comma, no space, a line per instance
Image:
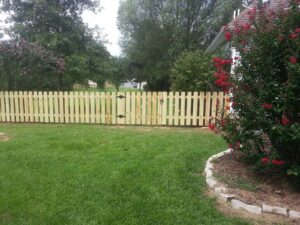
121,96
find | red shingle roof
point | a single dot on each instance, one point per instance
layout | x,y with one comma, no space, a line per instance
244,17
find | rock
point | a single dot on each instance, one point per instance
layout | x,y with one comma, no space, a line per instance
236,204
294,214
212,183
274,209
219,155
226,197
208,172
220,190
209,165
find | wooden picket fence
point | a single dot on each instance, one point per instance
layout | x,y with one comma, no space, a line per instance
130,108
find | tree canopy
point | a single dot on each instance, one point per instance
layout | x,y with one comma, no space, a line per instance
57,26
157,32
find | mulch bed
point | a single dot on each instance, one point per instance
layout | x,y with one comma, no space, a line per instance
243,181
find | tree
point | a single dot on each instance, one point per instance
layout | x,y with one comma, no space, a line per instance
57,26
156,33
193,72
118,71
22,63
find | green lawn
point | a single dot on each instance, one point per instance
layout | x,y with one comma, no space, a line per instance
92,175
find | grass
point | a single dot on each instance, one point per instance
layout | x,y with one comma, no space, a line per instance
88,175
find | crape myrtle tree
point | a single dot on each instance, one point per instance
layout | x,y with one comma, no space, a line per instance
265,89
21,64
57,26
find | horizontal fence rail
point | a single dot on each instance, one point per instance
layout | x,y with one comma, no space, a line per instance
111,108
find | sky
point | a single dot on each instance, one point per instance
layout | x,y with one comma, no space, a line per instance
107,20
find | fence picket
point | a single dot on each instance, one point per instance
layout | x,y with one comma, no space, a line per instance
2,103
97,109
201,109
188,109
77,107
108,108
171,109
207,107
103,111
46,107
214,105
113,107
72,108
164,111
133,109
51,107
15,107
92,107
26,107
182,108
127,108
154,109
144,105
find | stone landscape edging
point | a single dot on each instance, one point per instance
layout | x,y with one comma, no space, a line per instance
220,191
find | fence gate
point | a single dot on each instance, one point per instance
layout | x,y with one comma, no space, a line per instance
122,113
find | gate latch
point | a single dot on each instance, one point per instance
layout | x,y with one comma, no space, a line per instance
121,116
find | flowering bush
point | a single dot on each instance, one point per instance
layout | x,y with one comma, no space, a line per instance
265,88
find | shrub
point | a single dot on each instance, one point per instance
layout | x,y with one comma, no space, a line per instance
265,88
193,72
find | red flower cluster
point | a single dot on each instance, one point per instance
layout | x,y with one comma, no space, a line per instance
212,126
247,26
267,106
293,60
278,162
228,36
252,13
295,34
285,121
222,75
267,161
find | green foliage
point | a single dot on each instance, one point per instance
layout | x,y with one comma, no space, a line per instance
265,124
156,33
118,71
22,64
57,26
193,72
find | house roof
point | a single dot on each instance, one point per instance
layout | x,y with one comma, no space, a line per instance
242,19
